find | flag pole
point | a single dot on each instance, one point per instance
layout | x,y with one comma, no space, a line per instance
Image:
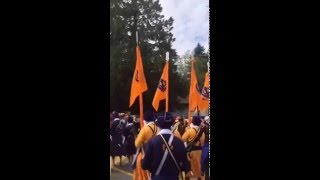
189,117
167,94
208,64
189,110
198,111
140,95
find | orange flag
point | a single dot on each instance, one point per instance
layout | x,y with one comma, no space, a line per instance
204,102
194,93
162,90
139,83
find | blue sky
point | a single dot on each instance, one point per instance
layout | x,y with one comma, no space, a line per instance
191,23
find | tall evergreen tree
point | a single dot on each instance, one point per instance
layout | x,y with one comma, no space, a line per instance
199,51
155,39
200,66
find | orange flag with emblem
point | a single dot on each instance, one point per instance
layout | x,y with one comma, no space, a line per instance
204,101
194,93
139,83
162,89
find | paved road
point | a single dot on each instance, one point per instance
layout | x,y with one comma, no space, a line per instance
123,172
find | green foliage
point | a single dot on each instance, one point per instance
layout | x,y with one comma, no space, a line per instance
200,65
199,51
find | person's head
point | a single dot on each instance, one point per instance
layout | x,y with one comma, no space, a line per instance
176,119
126,116
115,114
164,121
130,120
207,119
149,116
179,119
196,120
121,115
186,122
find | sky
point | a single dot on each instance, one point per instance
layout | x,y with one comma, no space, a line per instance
191,23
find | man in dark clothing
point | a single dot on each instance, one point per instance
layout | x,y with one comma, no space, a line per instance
158,158
178,127
205,148
129,134
116,139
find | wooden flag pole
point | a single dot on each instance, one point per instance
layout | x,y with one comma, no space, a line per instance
140,95
167,94
141,110
189,110
198,111
137,39
208,64
189,117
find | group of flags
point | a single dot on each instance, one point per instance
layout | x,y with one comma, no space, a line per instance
198,98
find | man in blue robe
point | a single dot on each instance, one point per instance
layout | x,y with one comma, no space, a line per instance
161,162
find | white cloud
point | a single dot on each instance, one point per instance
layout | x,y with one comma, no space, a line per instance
191,23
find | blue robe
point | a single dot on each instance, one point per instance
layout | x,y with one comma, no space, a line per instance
205,158
116,142
154,153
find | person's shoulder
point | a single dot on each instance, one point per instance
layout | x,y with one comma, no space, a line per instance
154,139
114,122
144,128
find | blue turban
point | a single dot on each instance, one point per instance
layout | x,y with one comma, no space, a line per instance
149,116
196,120
165,121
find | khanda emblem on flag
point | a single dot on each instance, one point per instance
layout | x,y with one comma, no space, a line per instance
162,85
137,76
205,92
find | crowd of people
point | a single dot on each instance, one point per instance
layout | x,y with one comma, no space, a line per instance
166,147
